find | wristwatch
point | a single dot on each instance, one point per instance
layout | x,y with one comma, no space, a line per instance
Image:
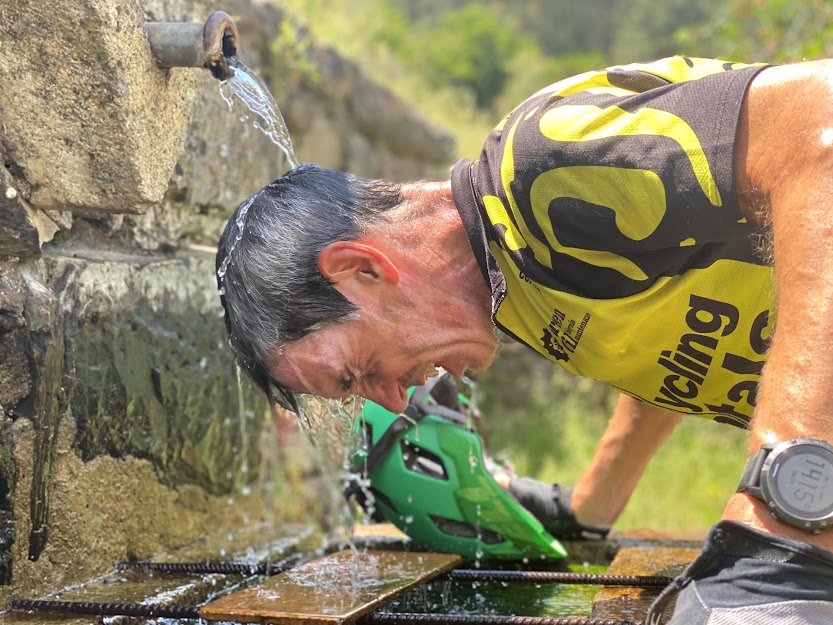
795,479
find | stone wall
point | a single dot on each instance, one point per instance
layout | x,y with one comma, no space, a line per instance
124,430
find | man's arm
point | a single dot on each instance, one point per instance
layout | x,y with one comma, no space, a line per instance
784,169
635,432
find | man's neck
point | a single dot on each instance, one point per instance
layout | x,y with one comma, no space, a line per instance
433,229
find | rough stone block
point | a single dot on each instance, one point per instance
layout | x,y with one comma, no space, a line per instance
147,368
15,371
90,122
11,302
23,229
224,160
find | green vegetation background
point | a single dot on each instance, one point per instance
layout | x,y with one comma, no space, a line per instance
465,64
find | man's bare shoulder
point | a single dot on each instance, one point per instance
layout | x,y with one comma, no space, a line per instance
785,131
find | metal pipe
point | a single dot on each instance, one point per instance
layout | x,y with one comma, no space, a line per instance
557,577
156,610
147,610
188,44
224,568
410,618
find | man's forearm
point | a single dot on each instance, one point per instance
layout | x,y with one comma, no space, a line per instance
785,159
634,434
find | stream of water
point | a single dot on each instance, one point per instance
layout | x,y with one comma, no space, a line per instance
246,88
329,426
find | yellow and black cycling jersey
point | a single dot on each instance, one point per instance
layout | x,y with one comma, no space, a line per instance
604,215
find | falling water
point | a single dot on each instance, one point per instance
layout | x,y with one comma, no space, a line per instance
246,87
244,432
329,426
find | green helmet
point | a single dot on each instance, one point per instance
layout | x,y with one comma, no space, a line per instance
427,476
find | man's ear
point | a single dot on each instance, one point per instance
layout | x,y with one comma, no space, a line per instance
344,260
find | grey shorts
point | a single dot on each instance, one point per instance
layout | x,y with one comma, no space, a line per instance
745,577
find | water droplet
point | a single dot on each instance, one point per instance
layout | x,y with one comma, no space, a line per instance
221,272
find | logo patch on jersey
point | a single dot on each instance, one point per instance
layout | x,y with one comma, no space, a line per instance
561,337
551,345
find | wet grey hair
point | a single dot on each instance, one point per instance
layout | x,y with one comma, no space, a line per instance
267,261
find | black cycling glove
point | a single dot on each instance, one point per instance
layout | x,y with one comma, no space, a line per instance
550,504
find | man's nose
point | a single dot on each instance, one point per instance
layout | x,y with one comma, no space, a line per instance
390,395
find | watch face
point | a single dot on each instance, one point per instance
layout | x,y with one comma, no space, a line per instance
801,482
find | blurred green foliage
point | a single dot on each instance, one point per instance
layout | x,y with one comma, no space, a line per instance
290,48
774,31
465,64
470,49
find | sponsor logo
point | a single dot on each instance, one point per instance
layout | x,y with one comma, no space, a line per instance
561,337
688,363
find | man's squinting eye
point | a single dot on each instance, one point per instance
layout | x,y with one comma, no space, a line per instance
347,382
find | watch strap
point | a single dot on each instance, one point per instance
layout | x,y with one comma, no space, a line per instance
750,480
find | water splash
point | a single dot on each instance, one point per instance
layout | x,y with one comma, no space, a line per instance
329,426
241,222
247,88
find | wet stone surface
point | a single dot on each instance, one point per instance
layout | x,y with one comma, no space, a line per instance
338,588
252,545
126,362
322,588
648,559
149,373
6,515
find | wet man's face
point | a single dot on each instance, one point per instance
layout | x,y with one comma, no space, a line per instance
420,303
379,361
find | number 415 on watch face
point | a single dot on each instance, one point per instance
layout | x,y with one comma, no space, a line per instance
797,482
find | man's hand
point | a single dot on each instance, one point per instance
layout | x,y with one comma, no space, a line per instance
550,504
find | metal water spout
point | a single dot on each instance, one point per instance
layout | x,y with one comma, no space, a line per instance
189,44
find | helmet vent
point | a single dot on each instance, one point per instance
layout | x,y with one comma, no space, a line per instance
462,529
423,462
